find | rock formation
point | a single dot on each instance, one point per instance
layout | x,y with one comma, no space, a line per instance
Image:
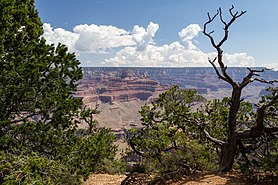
120,86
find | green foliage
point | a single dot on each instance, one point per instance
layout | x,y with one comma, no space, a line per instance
216,114
170,137
172,140
38,111
33,169
270,159
87,116
92,152
262,152
37,80
217,117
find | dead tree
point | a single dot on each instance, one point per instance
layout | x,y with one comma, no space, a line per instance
234,137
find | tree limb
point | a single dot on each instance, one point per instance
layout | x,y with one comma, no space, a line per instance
24,118
216,70
264,81
261,114
271,130
223,68
212,139
247,79
205,27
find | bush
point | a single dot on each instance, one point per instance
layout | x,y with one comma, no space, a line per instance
262,161
33,169
94,152
192,157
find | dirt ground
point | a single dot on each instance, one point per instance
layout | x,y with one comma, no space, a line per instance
105,179
201,179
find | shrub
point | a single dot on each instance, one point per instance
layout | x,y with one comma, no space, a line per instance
33,169
94,152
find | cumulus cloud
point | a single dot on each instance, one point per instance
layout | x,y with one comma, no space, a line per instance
188,33
89,38
59,35
137,47
175,54
143,37
238,59
93,38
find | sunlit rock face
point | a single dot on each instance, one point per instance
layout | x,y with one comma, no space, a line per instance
120,85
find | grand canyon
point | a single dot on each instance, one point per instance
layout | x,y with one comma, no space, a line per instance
120,92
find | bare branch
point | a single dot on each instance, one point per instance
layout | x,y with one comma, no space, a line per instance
264,81
226,28
205,28
224,75
236,15
216,70
255,70
247,79
211,32
231,9
212,139
271,130
221,17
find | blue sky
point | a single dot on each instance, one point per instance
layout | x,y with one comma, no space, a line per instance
160,32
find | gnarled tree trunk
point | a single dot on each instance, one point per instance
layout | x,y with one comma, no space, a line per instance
228,153
229,148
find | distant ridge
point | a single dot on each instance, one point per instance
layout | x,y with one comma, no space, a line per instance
108,84
121,91
183,76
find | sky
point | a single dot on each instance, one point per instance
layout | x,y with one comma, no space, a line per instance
161,33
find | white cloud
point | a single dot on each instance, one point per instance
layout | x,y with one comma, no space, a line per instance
89,38
59,35
93,38
143,37
188,33
238,59
273,66
137,47
174,54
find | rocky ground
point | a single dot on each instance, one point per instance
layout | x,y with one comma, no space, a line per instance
105,179
196,179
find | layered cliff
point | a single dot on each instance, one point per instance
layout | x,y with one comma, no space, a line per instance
109,84
120,92
119,86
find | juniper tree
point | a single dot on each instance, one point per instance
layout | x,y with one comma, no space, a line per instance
233,143
38,111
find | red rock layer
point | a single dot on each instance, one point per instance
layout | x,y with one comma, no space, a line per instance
122,86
